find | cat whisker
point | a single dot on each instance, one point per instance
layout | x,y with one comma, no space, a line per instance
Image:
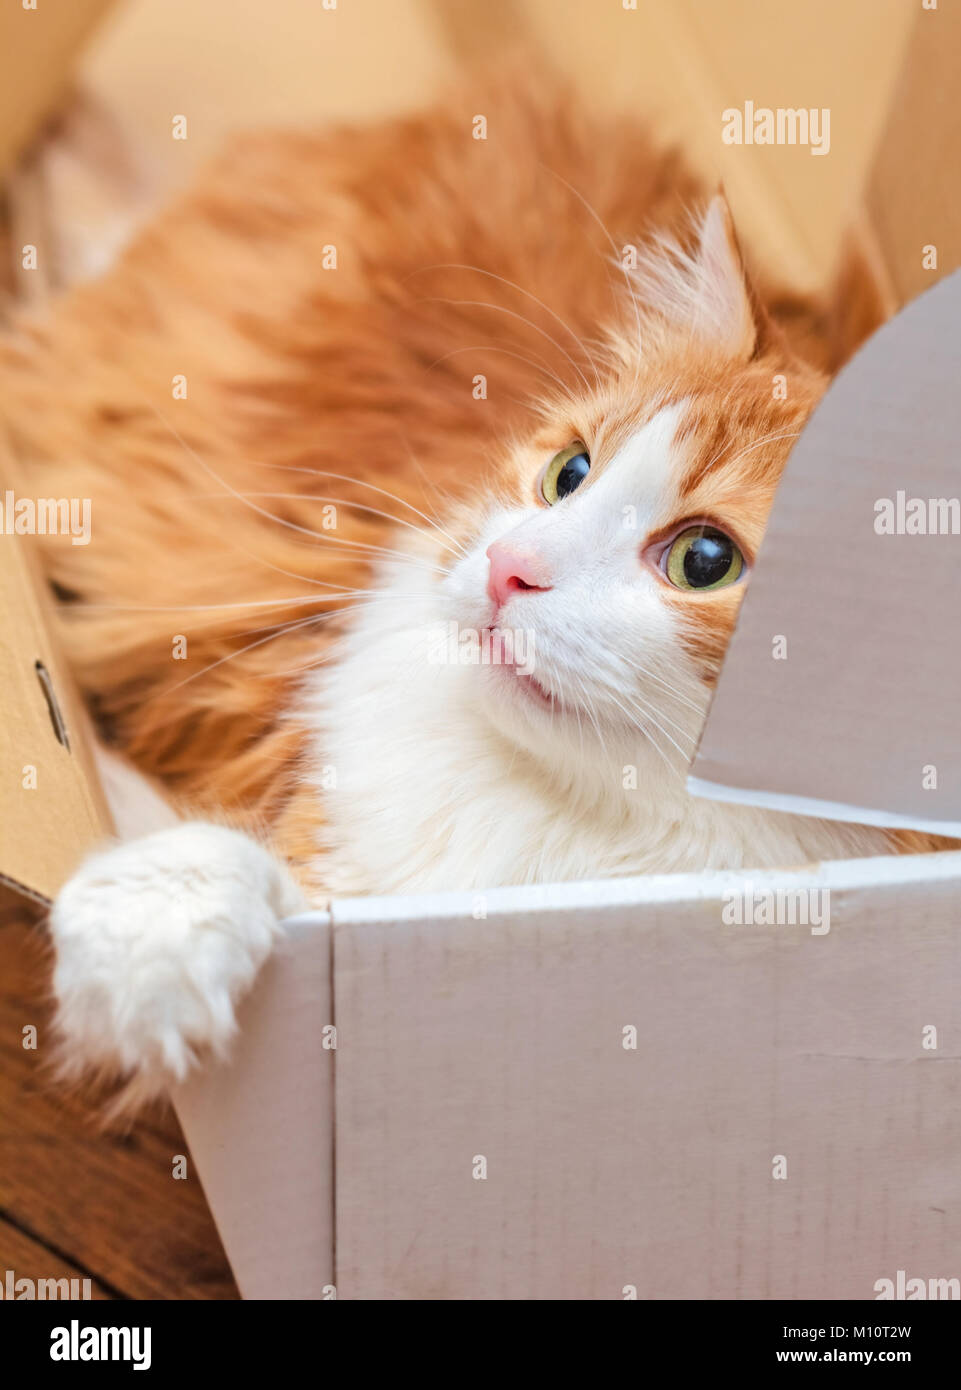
280,631
336,588
192,607
372,487
429,483
671,689
512,313
506,352
648,703
642,727
585,700
611,242
338,501
657,713
270,516
765,439
650,713
580,726
513,285
277,628
369,597
358,547
329,654
592,716
649,716
335,596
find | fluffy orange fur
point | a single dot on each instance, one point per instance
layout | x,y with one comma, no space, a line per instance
330,300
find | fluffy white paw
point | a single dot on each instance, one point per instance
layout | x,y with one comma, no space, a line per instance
156,941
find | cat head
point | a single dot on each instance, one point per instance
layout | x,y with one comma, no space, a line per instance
606,577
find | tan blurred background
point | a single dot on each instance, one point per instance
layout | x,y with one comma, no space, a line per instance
120,70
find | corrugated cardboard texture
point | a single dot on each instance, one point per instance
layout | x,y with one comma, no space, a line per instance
860,719
261,1132
503,1040
51,808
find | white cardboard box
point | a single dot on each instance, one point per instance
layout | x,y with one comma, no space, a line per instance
608,1167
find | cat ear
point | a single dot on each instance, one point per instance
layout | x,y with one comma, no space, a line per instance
724,313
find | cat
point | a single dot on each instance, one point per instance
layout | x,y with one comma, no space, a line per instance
420,574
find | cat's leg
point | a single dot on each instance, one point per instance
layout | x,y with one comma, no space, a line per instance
156,940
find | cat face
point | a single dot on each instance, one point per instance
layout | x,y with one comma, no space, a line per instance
606,579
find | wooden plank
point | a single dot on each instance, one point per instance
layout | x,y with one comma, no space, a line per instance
106,1202
30,1259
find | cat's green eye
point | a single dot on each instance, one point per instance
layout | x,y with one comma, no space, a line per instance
703,558
565,472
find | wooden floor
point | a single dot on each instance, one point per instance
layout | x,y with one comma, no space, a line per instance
78,1202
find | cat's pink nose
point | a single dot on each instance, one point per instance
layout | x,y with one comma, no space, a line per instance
512,572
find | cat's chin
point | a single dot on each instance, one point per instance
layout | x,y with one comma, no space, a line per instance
519,691
528,690
523,709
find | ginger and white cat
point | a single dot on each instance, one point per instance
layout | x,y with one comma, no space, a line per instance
583,471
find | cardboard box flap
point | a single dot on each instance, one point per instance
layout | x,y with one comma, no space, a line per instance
51,808
839,696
